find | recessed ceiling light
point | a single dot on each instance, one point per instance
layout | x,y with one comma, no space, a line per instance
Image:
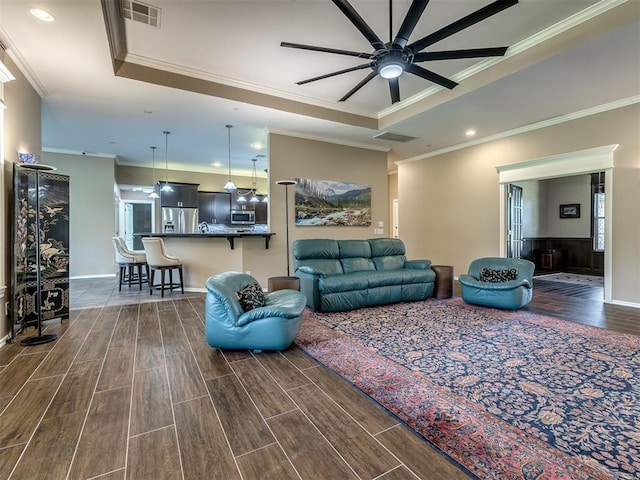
43,15
257,145
217,164
470,133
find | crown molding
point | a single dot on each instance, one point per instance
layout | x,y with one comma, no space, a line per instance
528,128
231,82
67,151
22,64
5,74
291,133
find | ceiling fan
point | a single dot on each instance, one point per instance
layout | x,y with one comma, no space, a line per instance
390,60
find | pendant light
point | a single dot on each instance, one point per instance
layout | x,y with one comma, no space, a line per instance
166,187
254,180
265,199
253,191
153,193
229,186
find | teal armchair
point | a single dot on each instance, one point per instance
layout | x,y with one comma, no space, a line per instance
272,326
498,282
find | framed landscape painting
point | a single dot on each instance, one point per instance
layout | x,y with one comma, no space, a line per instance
330,203
571,210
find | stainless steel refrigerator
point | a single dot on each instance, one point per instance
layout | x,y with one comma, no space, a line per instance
179,220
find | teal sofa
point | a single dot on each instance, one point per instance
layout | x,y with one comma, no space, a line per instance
341,275
492,288
272,326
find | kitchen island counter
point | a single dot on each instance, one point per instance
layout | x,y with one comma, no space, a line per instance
203,255
230,236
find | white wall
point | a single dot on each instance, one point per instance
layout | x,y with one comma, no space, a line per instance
92,214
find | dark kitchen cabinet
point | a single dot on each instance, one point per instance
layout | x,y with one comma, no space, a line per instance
214,207
184,195
260,208
261,212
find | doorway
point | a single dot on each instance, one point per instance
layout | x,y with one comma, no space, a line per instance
138,218
395,233
574,163
514,247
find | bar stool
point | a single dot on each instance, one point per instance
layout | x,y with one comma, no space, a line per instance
157,259
127,260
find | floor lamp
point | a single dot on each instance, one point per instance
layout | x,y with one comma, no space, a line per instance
286,184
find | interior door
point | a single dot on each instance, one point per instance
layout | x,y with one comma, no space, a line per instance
514,244
137,219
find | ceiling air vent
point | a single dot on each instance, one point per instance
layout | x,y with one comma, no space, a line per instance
394,137
141,12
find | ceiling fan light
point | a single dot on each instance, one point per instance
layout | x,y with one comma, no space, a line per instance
391,70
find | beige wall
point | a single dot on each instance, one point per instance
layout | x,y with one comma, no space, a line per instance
92,212
456,217
21,133
291,158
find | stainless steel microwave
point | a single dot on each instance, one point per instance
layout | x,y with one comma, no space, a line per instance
243,217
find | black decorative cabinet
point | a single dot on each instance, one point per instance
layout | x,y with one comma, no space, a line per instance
40,273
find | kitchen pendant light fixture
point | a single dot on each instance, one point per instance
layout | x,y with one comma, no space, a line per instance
253,191
153,193
254,181
166,187
229,186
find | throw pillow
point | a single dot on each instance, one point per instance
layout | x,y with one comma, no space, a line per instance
497,275
251,297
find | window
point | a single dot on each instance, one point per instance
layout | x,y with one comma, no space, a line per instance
598,213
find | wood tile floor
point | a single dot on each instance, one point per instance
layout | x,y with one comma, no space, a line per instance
131,390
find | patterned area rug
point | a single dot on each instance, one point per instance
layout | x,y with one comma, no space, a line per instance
587,280
503,394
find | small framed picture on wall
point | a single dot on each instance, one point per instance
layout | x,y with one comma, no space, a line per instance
570,210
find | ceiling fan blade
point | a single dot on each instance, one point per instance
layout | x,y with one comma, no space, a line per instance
455,54
465,22
360,24
394,89
409,23
366,80
333,74
431,76
325,50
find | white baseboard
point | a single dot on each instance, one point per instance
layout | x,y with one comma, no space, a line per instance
103,275
195,289
625,304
